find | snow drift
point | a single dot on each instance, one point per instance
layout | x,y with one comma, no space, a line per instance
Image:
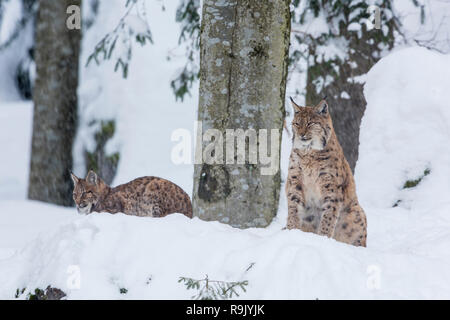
405,132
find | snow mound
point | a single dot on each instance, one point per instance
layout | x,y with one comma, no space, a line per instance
405,131
147,256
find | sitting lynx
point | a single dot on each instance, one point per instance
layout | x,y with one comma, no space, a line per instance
146,196
320,188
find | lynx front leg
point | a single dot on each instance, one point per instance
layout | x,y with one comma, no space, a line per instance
157,211
351,226
150,209
296,208
298,215
329,211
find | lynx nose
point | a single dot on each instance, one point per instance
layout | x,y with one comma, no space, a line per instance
304,138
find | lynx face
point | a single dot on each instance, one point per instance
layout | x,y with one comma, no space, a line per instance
86,192
311,126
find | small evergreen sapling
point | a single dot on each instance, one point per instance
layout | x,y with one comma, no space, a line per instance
214,289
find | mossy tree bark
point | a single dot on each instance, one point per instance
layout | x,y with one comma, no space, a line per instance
55,103
243,65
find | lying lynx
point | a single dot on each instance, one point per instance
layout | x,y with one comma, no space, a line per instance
320,188
146,196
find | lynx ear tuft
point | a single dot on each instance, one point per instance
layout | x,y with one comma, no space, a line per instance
322,107
294,105
74,178
92,178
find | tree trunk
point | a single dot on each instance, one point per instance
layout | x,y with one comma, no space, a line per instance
345,92
55,103
345,98
243,66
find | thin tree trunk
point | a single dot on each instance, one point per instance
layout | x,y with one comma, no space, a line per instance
55,103
243,67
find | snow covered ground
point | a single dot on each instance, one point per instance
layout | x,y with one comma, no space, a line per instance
405,133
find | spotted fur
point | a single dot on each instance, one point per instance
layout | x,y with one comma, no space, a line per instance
145,196
320,187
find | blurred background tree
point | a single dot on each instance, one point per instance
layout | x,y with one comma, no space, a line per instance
18,17
340,42
55,103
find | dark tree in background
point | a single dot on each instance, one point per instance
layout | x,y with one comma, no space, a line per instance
55,103
340,55
20,45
